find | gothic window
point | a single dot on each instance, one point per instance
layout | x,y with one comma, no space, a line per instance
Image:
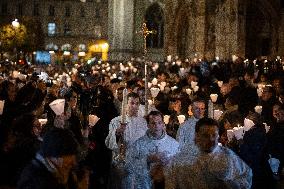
67,11
155,21
51,29
51,10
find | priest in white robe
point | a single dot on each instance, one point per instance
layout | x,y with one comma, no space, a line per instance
134,128
147,158
186,132
211,167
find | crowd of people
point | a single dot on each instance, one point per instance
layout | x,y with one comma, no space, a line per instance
199,125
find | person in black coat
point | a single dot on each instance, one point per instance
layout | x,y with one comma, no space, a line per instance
276,138
254,152
53,164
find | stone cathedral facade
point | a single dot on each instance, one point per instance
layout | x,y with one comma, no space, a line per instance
197,28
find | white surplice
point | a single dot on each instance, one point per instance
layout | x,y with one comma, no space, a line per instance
186,133
136,127
221,168
136,158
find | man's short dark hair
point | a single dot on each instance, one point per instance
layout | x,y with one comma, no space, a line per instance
153,113
205,122
132,95
198,100
58,142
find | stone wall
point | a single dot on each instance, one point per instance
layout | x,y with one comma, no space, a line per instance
206,28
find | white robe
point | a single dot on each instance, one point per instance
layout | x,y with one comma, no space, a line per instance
136,127
221,168
186,133
136,159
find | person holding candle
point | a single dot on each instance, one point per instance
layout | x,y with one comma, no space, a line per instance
211,166
148,156
186,132
129,127
253,150
276,140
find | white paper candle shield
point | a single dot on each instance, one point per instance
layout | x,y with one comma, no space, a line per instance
217,114
150,102
163,83
57,106
234,58
149,84
162,88
93,119
259,92
220,83
239,132
155,81
188,91
258,109
248,124
42,121
195,89
260,86
2,102
230,134
267,127
174,88
181,119
15,74
166,119
169,58
154,92
193,84
213,97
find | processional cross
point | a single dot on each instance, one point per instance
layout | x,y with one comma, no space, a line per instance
145,32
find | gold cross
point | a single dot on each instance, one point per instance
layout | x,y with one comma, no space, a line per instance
145,32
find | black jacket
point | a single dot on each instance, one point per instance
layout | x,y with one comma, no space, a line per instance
36,176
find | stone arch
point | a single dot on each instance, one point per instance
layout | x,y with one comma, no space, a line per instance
155,20
261,29
182,30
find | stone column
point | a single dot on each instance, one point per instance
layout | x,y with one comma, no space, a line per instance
200,28
281,36
120,28
239,43
230,29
